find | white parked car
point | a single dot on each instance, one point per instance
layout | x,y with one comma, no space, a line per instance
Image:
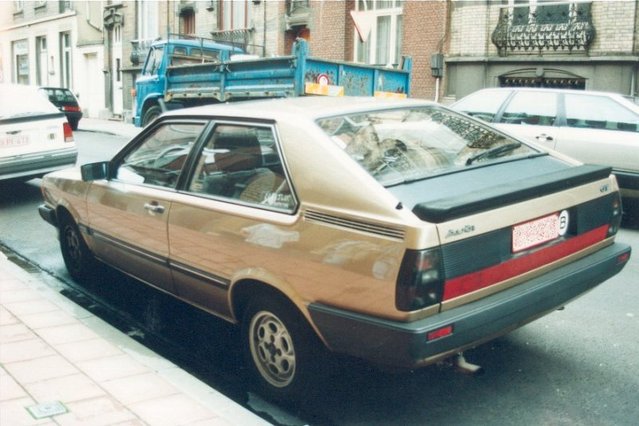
35,137
592,127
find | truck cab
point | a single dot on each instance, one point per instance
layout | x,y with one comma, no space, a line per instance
164,54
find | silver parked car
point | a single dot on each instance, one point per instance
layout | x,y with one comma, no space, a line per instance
592,127
35,137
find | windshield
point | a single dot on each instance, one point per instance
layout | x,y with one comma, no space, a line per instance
407,144
23,101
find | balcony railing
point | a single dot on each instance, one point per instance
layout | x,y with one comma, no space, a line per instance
546,27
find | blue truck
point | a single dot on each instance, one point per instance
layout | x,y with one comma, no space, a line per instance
182,72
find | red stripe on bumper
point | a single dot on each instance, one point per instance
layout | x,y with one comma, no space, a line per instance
494,274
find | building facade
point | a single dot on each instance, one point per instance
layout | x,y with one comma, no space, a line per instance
580,44
54,43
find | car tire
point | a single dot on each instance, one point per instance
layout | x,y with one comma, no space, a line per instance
282,353
78,259
151,114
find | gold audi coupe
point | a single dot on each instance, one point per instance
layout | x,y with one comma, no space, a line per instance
396,231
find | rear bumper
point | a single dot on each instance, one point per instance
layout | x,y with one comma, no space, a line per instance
402,344
48,214
37,163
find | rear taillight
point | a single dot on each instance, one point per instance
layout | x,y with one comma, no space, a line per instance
68,133
421,280
615,217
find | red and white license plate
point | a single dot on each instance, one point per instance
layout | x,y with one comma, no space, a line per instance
13,141
539,231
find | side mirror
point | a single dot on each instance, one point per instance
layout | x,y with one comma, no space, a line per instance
95,171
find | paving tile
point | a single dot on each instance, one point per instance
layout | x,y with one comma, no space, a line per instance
14,412
86,350
10,295
15,333
6,317
214,421
40,369
24,350
9,282
139,388
67,333
96,412
171,410
47,319
10,389
29,307
66,389
113,367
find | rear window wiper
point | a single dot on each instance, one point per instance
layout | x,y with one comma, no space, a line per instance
494,152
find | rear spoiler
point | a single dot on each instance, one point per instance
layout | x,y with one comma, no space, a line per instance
449,208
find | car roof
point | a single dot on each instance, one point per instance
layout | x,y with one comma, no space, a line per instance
310,107
550,90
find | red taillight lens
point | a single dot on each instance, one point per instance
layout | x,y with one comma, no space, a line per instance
421,280
68,133
439,333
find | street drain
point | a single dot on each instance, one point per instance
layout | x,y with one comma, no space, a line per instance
47,409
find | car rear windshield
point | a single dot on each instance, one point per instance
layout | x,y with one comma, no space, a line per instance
407,144
20,101
60,95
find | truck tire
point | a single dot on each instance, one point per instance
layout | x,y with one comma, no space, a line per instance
151,114
282,353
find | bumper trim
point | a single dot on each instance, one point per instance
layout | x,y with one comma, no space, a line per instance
404,344
48,214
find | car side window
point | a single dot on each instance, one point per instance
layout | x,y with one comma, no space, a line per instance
242,162
159,158
533,108
153,61
483,104
599,112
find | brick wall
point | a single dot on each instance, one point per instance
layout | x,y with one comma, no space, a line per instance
615,24
424,31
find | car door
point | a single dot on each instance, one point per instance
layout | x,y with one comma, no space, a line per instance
128,213
532,115
236,210
599,130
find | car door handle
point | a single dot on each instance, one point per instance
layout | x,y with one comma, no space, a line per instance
154,207
544,138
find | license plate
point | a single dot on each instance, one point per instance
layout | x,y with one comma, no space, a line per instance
12,141
539,231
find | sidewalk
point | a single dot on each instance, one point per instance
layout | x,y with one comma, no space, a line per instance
61,365
114,127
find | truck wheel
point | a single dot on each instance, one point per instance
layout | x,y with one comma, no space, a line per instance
281,351
151,114
76,254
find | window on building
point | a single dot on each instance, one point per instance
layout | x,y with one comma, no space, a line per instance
187,21
148,20
21,61
42,75
382,28
65,59
18,6
234,14
66,5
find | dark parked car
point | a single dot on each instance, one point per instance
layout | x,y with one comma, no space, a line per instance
66,101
